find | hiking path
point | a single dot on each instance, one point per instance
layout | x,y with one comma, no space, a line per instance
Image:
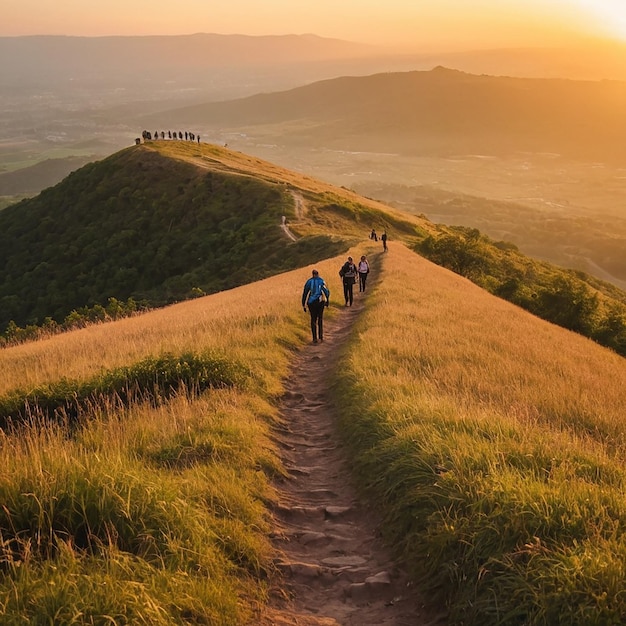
335,569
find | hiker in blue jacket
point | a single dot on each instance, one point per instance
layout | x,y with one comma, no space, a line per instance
315,296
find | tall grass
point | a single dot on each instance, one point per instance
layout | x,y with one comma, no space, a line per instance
150,513
491,441
495,444
153,379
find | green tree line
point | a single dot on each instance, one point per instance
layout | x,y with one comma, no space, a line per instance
568,298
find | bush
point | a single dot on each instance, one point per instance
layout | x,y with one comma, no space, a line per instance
153,379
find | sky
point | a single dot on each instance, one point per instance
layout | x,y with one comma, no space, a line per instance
417,24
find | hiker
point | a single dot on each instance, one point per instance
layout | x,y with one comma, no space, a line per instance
364,270
383,238
316,296
348,273
373,235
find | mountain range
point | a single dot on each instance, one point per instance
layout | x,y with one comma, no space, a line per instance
441,112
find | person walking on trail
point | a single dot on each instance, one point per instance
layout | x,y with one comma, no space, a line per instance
348,273
383,238
364,270
373,235
315,296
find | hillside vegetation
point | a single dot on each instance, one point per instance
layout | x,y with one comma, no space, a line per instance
183,219
571,299
491,441
149,512
164,222
495,445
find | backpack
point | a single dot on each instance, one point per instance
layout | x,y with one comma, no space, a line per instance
317,292
348,271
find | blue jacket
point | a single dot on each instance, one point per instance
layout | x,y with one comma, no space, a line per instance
313,290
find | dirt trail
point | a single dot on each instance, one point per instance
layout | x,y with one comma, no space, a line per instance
335,569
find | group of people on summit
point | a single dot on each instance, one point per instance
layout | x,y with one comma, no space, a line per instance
188,136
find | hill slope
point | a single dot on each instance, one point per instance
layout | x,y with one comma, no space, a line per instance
491,441
166,221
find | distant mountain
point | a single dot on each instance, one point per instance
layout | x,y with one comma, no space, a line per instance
31,180
155,64
441,112
587,60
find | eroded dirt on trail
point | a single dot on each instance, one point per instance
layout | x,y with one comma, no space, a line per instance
335,570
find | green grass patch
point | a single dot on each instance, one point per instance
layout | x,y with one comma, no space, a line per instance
504,527
501,490
152,379
99,528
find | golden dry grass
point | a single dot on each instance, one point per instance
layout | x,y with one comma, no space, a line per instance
247,324
492,441
172,492
494,444
439,336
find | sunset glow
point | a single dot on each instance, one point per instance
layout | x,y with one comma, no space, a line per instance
610,16
443,24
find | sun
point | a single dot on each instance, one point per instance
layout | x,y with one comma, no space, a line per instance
609,15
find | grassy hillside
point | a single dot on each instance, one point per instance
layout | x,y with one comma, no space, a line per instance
572,299
172,220
495,444
167,221
492,441
150,513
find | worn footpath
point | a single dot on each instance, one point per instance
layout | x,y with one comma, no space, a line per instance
335,570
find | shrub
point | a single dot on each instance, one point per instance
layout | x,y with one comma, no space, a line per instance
152,379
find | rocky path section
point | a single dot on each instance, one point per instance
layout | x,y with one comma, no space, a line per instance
335,569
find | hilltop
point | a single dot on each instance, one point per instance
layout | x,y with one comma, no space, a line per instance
167,221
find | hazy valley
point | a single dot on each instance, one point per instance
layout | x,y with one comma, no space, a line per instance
535,161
